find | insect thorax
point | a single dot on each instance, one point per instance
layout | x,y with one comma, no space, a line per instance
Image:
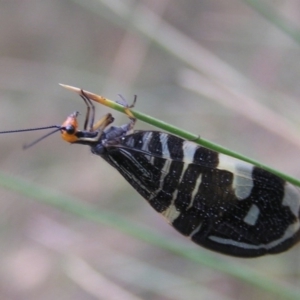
109,138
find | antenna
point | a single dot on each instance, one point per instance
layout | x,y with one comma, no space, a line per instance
26,146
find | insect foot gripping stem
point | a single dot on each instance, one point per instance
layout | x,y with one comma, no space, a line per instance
97,134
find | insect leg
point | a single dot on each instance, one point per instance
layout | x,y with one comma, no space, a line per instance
128,112
103,122
90,118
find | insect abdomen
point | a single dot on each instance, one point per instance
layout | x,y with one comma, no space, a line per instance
220,202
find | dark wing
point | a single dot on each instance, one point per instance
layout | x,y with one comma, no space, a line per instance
221,203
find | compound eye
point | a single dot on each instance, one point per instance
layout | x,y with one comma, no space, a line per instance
70,129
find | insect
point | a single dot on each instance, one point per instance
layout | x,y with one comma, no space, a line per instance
219,202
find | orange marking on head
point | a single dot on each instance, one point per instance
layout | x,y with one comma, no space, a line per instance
69,128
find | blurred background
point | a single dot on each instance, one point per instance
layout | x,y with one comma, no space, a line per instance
226,70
